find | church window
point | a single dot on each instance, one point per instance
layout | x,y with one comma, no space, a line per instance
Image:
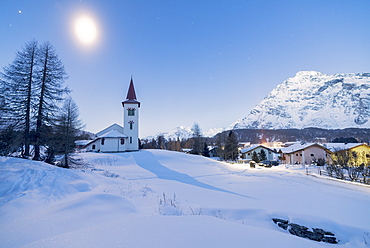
131,111
122,141
102,141
131,124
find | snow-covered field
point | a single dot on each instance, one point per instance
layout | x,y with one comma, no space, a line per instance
157,198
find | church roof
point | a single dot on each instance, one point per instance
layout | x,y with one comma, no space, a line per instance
131,95
114,126
113,134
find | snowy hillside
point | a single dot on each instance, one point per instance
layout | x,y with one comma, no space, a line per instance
157,198
314,99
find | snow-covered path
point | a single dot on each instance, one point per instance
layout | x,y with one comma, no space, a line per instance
156,198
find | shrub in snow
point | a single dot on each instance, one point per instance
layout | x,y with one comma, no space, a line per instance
339,171
218,214
168,206
330,169
365,172
353,172
359,173
110,160
74,161
320,162
110,174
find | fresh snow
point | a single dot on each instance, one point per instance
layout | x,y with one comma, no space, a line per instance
157,198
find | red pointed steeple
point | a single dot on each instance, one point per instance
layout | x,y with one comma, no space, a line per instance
131,91
131,95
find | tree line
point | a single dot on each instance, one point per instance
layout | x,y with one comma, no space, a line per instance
36,111
225,146
258,136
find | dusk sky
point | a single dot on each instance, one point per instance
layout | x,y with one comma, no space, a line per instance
204,61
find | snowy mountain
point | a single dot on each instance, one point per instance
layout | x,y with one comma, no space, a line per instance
213,131
313,99
183,132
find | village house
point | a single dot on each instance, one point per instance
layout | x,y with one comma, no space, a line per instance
354,153
247,153
306,153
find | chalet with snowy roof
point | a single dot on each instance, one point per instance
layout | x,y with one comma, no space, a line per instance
116,138
303,153
247,153
357,153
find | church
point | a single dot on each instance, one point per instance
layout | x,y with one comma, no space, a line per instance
116,138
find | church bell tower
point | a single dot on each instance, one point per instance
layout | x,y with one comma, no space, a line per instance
131,119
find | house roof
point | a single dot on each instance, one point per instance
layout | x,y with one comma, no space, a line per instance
249,149
341,146
299,147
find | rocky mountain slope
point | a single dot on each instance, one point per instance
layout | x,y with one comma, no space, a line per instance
313,99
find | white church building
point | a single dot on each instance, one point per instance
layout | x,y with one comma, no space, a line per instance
116,138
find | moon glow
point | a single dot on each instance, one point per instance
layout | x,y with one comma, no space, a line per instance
85,30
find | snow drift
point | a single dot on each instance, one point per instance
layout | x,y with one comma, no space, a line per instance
156,198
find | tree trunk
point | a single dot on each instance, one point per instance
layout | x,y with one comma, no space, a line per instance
40,110
28,104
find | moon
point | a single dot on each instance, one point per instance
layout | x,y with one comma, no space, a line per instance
86,30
